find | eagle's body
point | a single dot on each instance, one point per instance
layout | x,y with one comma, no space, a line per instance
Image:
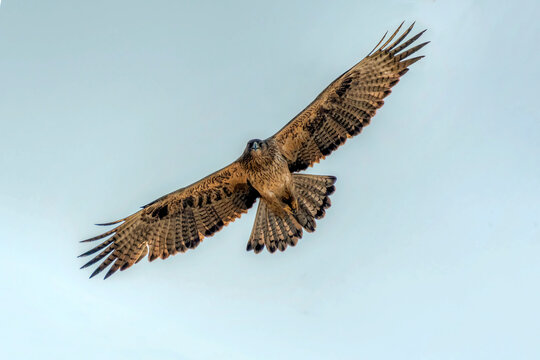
268,172
267,169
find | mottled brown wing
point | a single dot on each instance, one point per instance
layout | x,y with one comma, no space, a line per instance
175,222
347,104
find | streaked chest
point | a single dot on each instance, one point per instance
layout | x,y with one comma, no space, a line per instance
269,174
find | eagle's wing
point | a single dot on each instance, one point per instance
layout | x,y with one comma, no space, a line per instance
347,104
175,222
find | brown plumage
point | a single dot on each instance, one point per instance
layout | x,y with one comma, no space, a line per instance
289,202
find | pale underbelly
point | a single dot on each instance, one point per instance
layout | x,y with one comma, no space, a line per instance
275,188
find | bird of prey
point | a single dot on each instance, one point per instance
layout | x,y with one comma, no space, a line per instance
267,170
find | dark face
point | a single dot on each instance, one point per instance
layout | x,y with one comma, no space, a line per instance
255,146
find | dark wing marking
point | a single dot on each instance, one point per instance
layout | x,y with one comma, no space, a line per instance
175,222
347,104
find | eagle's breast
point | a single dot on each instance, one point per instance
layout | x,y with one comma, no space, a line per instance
268,171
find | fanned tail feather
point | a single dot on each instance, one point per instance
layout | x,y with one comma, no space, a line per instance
276,231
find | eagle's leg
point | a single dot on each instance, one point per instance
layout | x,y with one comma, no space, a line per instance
291,202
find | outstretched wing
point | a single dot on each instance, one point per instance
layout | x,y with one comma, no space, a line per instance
347,104
175,222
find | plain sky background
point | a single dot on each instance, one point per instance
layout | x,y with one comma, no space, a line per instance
431,249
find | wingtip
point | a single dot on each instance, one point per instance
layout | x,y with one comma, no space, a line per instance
110,223
423,44
409,62
377,46
97,271
107,224
91,262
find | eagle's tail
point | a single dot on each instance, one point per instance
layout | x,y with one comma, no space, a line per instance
277,230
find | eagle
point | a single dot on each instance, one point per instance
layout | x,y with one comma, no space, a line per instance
289,202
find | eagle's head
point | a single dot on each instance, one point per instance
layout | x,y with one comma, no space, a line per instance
256,146
260,152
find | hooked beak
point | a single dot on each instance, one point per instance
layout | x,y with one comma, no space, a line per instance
255,146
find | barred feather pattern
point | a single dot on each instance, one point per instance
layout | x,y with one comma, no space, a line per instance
276,231
174,223
347,105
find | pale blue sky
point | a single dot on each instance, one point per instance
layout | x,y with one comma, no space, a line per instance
431,249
